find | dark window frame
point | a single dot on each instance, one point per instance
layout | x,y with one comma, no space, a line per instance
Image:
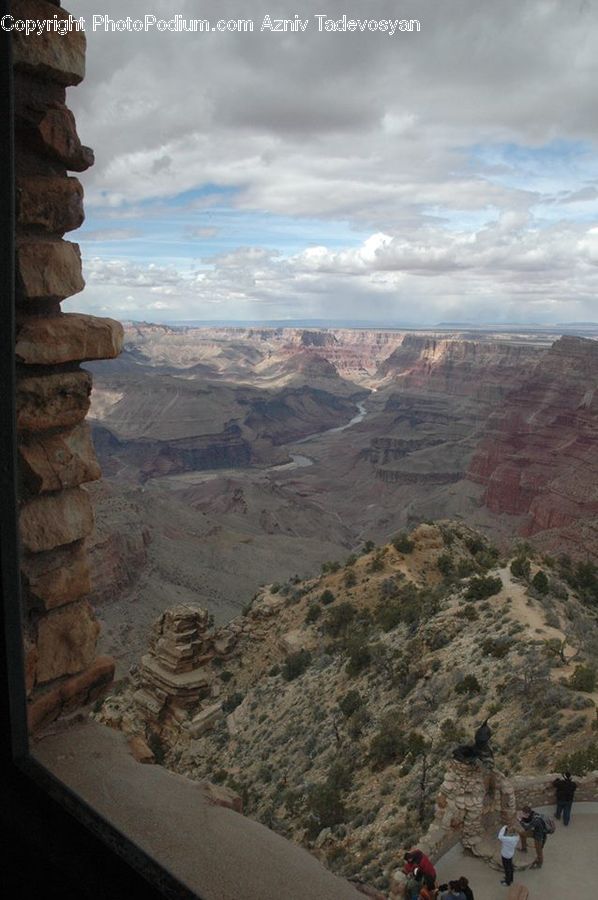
54,839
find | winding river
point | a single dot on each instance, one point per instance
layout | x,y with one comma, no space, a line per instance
298,461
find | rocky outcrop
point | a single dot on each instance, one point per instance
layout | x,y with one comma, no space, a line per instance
173,677
55,452
539,457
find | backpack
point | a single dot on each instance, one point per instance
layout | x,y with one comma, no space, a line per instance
548,823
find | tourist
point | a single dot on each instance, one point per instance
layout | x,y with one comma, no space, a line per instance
509,838
565,790
418,865
533,823
465,889
454,892
426,893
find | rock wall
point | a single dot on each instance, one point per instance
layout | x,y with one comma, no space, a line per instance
55,452
539,457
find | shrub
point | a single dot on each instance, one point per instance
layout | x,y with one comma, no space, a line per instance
402,543
350,579
583,679
274,670
377,563
579,762
474,544
325,808
483,586
465,567
445,564
327,597
497,647
468,685
468,612
350,703
225,675
295,665
540,582
520,568
359,653
368,547
351,559
232,701
330,566
339,618
314,611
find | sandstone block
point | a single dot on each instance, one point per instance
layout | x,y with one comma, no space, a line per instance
66,641
49,270
57,461
30,653
50,55
88,685
140,751
218,795
50,521
57,136
57,577
68,337
43,709
59,400
51,203
206,720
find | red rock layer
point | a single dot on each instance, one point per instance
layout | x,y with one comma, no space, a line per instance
540,453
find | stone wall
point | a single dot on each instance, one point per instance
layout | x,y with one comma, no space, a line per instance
537,790
56,455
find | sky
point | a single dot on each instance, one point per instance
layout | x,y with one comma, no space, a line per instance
443,174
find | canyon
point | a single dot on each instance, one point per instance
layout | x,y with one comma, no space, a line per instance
233,457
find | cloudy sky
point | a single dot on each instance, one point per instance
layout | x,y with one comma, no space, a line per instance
449,174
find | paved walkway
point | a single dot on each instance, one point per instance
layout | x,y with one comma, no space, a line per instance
570,867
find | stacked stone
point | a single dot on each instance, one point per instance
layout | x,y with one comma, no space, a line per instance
173,674
538,790
56,455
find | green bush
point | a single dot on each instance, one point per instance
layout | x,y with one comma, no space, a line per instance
350,579
377,563
402,543
314,611
232,701
359,653
468,685
295,664
468,612
521,568
330,566
351,559
579,762
445,564
497,647
339,618
483,586
327,597
583,679
350,703
325,808
540,582
368,547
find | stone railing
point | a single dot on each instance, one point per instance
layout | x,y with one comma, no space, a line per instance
473,802
537,790
56,455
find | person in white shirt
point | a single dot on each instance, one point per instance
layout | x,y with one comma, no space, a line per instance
509,838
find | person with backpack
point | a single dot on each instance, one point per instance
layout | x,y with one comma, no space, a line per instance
565,791
539,827
509,838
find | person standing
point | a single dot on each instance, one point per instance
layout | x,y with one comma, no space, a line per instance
465,889
509,838
420,866
565,792
533,823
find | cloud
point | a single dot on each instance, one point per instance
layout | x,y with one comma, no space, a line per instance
470,146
